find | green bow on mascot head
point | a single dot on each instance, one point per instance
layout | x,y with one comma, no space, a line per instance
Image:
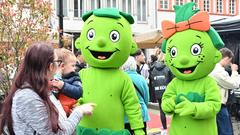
191,45
106,39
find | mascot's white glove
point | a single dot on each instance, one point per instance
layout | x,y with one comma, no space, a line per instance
186,107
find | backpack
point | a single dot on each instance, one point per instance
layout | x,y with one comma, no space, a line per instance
160,76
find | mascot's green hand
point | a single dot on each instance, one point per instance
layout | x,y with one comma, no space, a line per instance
168,105
139,132
185,107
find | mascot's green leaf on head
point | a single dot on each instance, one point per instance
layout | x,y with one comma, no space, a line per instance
106,42
191,52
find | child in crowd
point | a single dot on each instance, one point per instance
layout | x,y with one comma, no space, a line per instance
66,80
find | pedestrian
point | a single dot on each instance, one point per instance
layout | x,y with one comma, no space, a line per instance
29,109
66,80
154,60
142,90
81,64
226,83
160,76
142,67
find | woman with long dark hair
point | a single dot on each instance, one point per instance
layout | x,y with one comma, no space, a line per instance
29,107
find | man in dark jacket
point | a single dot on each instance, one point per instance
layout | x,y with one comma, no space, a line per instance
160,76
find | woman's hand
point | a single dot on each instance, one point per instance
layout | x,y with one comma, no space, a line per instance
86,109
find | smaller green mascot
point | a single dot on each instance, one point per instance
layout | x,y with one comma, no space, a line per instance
106,42
191,52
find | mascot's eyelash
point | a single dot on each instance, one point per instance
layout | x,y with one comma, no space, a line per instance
168,49
201,44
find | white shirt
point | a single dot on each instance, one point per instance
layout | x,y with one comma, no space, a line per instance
224,81
145,72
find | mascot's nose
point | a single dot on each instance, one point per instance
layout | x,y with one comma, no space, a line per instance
101,42
184,60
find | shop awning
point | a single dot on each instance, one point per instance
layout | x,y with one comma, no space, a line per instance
149,39
228,25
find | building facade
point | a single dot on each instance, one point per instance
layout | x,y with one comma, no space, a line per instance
218,9
143,11
148,15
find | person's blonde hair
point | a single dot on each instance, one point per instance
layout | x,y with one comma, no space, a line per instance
65,54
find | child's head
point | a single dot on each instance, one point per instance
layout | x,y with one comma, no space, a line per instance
69,60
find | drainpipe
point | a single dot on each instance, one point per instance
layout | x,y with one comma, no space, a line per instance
156,11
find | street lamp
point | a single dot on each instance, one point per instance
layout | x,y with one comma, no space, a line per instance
60,17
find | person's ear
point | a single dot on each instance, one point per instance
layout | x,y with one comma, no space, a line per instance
218,57
134,48
51,67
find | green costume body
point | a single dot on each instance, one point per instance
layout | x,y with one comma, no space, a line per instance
112,98
106,42
204,120
193,98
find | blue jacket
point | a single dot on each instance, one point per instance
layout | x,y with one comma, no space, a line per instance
141,84
72,86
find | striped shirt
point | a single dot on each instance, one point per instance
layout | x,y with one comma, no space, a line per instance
30,115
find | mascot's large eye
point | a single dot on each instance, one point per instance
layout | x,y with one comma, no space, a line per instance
91,34
196,49
114,36
173,52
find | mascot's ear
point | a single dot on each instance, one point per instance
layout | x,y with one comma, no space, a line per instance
218,57
77,43
133,48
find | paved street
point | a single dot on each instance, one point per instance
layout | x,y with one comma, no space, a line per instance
155,126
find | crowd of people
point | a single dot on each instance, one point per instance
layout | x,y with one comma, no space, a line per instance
54,91
47,88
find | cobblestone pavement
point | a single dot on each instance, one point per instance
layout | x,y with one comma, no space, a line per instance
236,126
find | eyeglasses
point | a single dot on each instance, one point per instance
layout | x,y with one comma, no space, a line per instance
58,62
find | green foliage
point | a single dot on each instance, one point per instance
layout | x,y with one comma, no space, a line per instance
21,22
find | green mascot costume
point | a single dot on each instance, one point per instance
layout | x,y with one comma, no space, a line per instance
106,42
191,52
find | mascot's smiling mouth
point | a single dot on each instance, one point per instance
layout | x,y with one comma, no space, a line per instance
187,70
102,55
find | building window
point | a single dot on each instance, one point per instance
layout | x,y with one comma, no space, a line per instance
232,5
75,8
78,8
142,10
219,6
95,4
196,6
206,5
112,3
127,6
179,2
65,8
163,4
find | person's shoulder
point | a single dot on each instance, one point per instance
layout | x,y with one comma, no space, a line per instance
25,92
25,95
